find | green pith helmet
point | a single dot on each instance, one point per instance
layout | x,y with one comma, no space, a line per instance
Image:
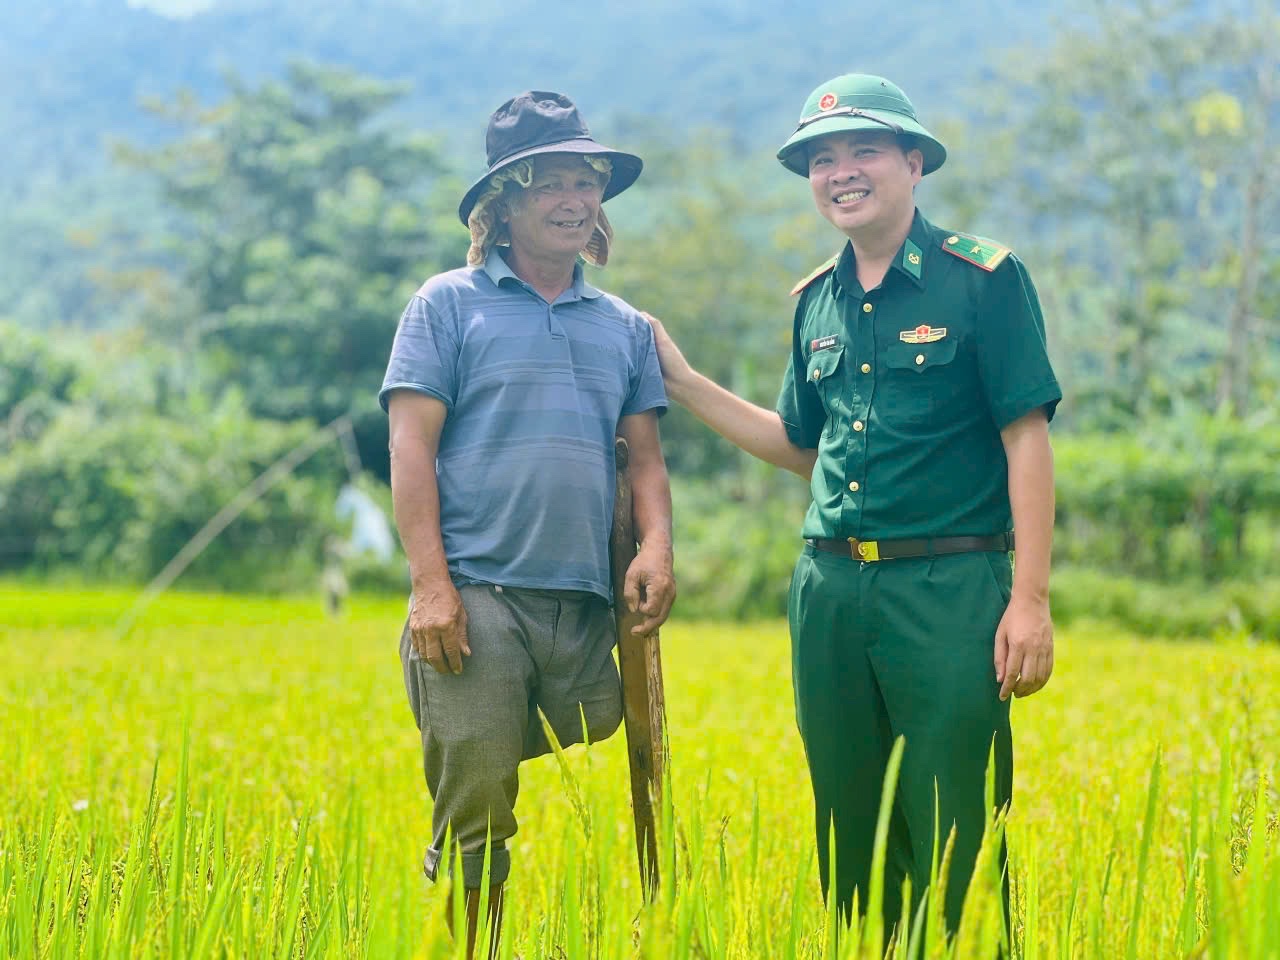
858,101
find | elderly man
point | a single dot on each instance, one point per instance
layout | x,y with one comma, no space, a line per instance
916,399
507,383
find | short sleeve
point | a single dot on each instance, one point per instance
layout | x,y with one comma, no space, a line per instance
646,391
799,406
424,355
1013,359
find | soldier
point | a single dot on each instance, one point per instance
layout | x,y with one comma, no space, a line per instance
507,383
916,399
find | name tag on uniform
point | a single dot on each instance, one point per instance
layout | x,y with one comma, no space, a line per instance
824,343
922,334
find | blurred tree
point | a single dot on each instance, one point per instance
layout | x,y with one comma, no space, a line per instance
1237,142
118,496
713,251
714,257
36,379
307,224
1146,152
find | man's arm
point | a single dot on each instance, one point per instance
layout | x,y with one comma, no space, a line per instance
650,585
1024,639
437,622
756,430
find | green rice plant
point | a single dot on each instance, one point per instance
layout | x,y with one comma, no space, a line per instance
241,778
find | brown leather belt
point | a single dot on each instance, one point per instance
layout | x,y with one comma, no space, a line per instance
872,550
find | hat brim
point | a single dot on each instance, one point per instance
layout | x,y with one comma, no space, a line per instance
626,168
794,158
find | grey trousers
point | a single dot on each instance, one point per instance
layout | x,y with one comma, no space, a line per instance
530,650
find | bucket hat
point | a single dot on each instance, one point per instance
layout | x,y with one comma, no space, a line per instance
537,122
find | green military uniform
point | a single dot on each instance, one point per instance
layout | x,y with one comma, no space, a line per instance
903,391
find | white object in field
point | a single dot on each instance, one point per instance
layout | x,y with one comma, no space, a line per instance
370,531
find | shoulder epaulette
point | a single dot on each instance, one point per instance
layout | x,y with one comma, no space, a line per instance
979,251
815,275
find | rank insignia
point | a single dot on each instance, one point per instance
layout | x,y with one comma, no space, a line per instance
923,334
913,258
979,251
823,343
828,101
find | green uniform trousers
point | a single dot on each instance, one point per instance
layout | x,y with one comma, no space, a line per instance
900,648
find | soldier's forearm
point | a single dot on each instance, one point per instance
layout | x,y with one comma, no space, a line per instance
755,429
1031,499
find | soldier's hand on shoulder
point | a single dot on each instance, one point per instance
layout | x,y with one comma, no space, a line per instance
675,368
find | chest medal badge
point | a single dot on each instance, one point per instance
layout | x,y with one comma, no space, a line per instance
923,334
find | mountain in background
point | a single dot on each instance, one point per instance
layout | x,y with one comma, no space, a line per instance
74,71
74,75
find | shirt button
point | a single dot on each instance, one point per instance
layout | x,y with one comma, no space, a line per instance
919,359
867,308
866,368
854,486
857,426
817,374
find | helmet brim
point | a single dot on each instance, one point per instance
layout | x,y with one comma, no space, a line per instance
794,157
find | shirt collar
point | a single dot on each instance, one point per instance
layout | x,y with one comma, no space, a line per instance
909,260
495,265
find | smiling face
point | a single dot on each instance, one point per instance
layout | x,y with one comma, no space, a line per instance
863,182
555,215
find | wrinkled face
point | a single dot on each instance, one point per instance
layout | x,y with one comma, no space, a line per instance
862,181
557,212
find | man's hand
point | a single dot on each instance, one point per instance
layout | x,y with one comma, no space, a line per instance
675,368
438,626
1024,647
650,588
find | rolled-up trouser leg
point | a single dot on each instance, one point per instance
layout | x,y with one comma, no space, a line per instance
577,677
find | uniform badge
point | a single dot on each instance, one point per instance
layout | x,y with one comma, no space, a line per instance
981,252
914,258
823,343
923,334
828,101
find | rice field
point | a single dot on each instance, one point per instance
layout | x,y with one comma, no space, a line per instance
241,778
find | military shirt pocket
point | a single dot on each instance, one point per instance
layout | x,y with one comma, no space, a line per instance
920,357
824,364
826,376
923,381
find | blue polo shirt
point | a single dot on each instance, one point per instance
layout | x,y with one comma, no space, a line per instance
535,391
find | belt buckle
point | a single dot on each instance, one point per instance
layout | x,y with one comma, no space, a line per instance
868,551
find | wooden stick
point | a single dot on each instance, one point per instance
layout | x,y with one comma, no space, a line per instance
643,702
